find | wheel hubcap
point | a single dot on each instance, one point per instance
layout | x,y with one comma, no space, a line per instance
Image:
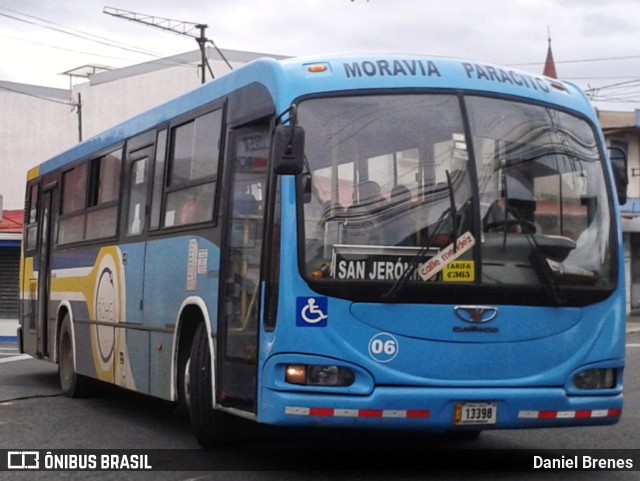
187,383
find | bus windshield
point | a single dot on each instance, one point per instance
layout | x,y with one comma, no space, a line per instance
412,193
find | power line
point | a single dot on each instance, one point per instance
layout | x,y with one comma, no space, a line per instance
159,61
608,77
86,36
621,84
81,32
77,35
72,50
627,91
584,60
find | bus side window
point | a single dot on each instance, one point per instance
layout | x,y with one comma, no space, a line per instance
158,177
137,196
192,171
32,218
104,193
71,225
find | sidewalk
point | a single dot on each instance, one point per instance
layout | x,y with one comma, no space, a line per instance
8,328
633,323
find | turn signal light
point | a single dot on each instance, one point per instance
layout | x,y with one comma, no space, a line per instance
309,375
317,68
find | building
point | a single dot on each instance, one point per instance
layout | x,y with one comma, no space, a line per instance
115,95
36,123
622,129
10,238
39,122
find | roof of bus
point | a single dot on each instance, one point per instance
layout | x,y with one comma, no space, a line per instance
346,72
291,78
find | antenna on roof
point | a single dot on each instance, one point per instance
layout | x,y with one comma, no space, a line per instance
176,26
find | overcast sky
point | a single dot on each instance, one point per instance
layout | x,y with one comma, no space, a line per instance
595,43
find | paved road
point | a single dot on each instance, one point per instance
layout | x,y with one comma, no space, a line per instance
33,415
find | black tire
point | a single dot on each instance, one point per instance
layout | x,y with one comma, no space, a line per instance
72,384
210,427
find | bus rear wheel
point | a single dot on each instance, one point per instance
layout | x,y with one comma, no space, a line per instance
72,383
210,427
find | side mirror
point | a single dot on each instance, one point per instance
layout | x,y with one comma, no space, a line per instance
288,150
618,159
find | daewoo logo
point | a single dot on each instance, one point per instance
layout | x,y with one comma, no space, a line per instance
476,314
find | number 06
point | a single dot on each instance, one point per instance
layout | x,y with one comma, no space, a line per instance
388,347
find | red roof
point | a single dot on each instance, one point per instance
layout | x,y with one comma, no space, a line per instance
12,222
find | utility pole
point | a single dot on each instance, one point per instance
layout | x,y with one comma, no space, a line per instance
175,26
203,57
79,107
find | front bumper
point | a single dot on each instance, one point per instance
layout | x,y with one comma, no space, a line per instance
415,408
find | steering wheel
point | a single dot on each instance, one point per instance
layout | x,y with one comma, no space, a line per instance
499,226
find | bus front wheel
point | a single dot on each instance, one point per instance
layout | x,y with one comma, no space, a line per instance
210,427
72,383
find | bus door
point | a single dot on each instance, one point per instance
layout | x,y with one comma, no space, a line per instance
44,274
134,249
138,164
240,292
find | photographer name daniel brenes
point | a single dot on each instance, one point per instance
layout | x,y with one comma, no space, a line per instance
581,462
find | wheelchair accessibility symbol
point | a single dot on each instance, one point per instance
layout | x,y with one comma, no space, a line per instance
311,311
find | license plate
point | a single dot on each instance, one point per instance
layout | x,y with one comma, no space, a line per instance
469,414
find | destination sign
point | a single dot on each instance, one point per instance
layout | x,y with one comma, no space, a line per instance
385,263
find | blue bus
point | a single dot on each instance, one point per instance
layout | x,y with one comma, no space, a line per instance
389,242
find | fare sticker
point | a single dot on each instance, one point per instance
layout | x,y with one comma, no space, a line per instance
459,271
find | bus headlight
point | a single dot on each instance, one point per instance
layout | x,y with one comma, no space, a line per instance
595,379
313,375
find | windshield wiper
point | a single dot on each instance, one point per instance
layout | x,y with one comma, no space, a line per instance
399,284
539,261
454,210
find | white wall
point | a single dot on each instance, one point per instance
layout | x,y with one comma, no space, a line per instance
633,156
31,130
114,96
107,104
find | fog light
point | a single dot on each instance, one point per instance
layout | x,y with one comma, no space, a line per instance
595,379
319,375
